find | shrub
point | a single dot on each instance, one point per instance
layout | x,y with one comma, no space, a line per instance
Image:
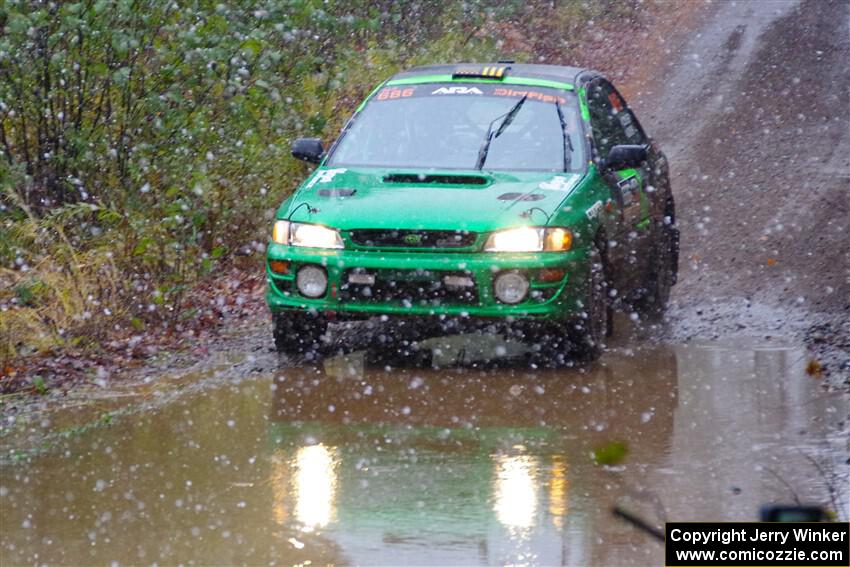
144,142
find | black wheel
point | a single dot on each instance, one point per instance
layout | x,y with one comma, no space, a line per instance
663,271
550,343
298,332
596,321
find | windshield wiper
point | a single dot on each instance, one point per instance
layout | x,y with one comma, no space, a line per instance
568,143
506,119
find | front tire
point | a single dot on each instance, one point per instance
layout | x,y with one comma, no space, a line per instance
298,332
597,321
663,272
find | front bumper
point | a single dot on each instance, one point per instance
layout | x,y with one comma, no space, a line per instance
411,283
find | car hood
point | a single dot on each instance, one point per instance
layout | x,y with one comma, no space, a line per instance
477,201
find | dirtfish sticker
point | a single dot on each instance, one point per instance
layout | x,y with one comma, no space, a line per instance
557,183
325,176
594,209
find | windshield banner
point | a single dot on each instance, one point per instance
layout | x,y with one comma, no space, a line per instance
539,94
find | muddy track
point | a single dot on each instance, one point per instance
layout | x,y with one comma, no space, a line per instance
756,130
760,159
759,147
229,454
752,112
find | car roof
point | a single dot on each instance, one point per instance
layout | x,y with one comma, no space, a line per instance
549,72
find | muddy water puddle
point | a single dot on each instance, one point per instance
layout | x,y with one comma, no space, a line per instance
345,462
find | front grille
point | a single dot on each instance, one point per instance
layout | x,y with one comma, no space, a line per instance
408,287
379,238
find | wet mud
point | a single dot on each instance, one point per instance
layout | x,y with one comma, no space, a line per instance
247,458
748,109
344,461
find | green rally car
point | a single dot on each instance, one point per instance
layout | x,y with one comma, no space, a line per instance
527,193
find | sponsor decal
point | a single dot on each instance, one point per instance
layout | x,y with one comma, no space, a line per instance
392,93
557,183
594,210
629,188
532,95
325,176
457,90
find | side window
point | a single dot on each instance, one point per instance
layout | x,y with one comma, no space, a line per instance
611,120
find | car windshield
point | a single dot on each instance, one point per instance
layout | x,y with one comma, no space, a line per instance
445,126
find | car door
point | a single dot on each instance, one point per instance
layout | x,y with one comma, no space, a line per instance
612,124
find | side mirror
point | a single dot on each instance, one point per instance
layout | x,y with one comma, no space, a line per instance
625,156
308,149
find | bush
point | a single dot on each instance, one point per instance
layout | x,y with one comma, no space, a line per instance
144,142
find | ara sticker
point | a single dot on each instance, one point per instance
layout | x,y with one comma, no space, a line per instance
557,183
594,209
325,176
457,90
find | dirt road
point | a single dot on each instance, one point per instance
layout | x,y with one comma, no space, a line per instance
752,112
243,457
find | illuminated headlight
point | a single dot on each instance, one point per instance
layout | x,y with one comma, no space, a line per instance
280,232
314,236
510,287
306,235
530,239
312,281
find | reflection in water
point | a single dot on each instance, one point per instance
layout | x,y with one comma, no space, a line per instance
361,465
558,487
515,492
315,486
280,490
465,467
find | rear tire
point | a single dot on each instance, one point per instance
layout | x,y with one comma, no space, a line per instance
298,332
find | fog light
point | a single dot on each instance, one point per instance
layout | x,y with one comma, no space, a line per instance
279,266
312,281
510,287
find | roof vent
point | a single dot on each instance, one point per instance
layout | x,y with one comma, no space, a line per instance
495,72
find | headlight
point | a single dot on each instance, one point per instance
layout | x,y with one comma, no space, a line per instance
280,232
530,239
314,236
307,235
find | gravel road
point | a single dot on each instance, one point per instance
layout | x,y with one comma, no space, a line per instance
752,112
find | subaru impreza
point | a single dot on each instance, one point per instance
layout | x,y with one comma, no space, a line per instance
504,192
